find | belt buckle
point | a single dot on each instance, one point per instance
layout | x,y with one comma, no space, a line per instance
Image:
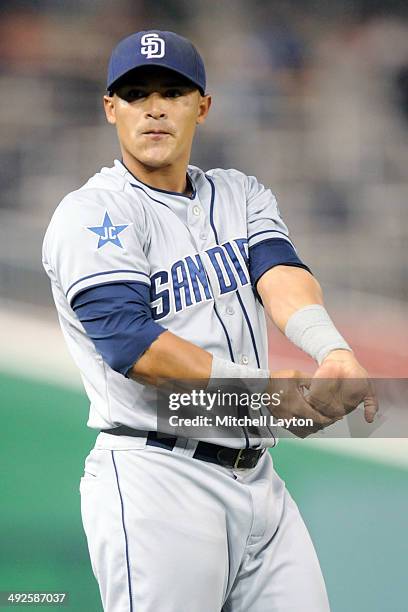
253,460
238,458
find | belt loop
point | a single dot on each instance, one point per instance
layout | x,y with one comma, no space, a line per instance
185,446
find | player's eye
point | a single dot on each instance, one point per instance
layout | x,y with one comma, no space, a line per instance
173,92
132,94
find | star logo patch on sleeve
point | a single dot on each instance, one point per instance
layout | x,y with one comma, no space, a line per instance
108,232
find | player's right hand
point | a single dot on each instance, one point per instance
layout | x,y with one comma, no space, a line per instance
340,384
291,386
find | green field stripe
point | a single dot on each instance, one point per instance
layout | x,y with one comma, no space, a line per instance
356,509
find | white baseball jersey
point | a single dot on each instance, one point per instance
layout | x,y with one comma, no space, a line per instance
192,251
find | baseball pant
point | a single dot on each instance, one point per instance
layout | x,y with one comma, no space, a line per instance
170,533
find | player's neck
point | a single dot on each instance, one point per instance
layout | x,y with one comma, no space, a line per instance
173,179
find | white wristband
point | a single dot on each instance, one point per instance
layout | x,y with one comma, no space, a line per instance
222,368
313,331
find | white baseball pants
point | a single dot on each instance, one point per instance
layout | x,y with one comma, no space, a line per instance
169,533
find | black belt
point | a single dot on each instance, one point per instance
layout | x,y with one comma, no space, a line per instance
206,451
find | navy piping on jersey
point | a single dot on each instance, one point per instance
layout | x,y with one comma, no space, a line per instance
216,239
106,272
176,193
149,196
269,232
237,293
215,308
225,332
125,534
251,332
212,208
231,352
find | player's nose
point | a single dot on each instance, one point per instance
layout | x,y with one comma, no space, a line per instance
155,106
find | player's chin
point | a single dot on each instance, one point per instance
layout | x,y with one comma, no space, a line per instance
158,158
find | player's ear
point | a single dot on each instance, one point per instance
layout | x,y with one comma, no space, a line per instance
109,105
203,108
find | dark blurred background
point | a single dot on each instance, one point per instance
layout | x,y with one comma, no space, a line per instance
310,97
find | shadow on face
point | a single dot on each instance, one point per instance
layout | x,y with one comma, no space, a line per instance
156,111
152,78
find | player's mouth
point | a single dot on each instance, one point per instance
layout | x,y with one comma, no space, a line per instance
156,134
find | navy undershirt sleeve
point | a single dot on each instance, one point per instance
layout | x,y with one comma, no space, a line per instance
270,253
118,319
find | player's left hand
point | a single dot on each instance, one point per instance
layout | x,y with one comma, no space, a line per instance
339,385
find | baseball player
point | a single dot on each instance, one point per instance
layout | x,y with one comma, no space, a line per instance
160,270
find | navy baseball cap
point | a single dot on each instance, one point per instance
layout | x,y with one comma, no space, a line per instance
156,48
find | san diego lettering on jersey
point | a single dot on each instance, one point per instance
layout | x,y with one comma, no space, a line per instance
187,283
115,229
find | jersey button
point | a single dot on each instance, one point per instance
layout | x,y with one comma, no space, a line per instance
203,236
244,360
230,310
196,210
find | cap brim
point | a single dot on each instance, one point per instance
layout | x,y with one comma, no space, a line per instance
116,83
